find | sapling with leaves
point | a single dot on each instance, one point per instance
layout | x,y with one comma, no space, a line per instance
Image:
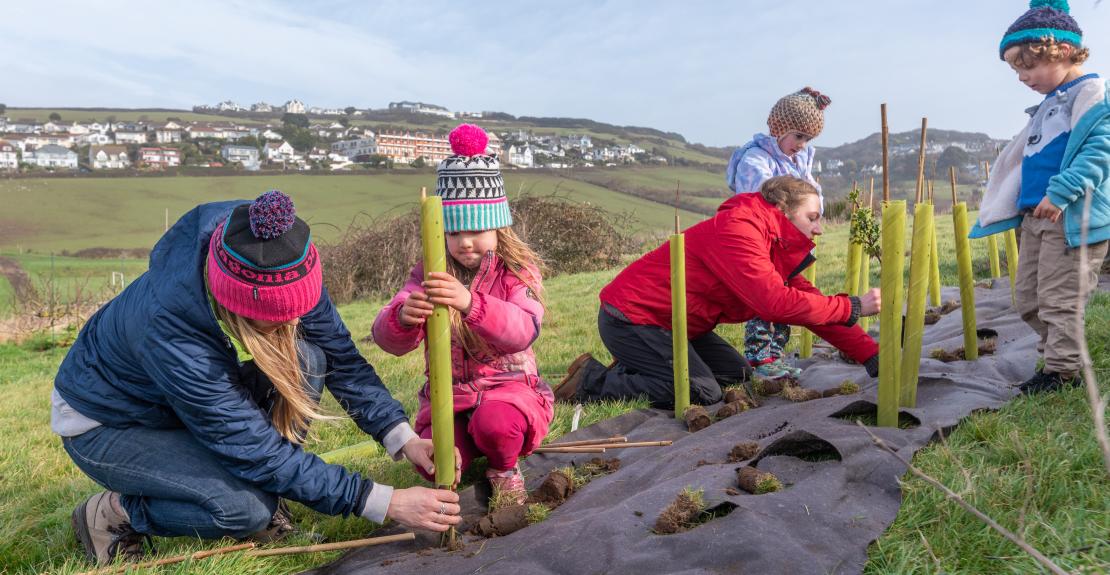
863,230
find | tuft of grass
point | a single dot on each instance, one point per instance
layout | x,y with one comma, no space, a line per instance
536,512
768,484
849,387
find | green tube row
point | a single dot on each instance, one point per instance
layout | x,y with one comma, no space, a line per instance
890,316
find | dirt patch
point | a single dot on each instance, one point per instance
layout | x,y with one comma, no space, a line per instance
743,451
554,490
757,482
730,409
768,386
680,514
503,521
21,282
797,394
697,418
933,315
986,347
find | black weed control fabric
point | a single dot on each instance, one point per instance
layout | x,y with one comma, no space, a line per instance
841,491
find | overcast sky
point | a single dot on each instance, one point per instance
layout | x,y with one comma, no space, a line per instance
708,70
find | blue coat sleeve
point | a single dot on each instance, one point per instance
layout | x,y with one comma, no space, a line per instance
1089,169
350,378
200,383
752,170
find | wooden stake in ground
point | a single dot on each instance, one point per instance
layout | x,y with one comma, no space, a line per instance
438,337
920,269
886,155
679,339
992,240
806,345
583,442
963,266
1012,262
921,163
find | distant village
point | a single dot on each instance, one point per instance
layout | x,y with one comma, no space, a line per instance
287,137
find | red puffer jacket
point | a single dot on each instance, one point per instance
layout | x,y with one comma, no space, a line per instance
745,262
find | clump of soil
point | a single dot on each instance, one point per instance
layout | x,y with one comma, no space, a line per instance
847,387
768,386
554,490
681,513
757,482
730,409
933,315
598,466
743,451
503,521
739,393
697,418
795,393
986,347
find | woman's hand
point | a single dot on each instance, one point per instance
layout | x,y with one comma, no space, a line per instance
415,310
443,289
421,452
870,302
423,508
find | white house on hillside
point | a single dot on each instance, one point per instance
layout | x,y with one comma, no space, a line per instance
280,152
352,149
9,156
131,137
294,107
245,155
52,156
168,133
109,157
521,156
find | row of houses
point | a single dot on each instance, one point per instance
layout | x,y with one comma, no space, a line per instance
403,147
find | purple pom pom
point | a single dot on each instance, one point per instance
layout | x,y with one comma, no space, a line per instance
468,140
272,214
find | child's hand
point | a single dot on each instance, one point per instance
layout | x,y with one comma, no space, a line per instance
443,289
415,310
1047,210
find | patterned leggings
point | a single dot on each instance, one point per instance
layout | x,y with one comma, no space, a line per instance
764,341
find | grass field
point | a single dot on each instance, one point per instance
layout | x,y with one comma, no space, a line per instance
1033,465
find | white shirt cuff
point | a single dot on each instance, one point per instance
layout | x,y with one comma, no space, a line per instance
377,503
397,437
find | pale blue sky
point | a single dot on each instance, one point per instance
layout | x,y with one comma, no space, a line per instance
708,70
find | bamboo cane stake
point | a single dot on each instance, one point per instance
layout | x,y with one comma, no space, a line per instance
886,156
339,546
616,439
992,241
920,270
679,339
583,449
963,266
890,316
806,345
1012,262
169,560
921,164
438,344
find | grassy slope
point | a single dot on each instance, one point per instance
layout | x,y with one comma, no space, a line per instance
1068,508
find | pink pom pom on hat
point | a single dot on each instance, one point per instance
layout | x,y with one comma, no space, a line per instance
468,140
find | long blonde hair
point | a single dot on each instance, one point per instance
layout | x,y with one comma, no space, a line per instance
521,261
275,354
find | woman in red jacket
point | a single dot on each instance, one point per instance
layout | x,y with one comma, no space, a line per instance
744,262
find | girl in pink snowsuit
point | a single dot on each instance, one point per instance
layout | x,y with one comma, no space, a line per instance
493,290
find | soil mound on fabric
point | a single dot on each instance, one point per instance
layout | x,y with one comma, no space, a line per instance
697,418
757,482
743,451
730,409
554,490
503,521
680,514
986,347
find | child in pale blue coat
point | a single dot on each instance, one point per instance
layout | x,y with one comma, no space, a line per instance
794,121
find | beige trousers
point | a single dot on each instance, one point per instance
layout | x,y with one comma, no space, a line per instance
1047,290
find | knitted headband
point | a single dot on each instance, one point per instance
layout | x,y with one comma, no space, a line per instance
802,111
1045,20
262,264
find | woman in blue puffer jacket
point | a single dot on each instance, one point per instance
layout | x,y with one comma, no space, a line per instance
188,395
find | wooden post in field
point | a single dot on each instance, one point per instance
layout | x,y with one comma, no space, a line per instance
805,346
992,240
439,348
963,265
679,339
890,316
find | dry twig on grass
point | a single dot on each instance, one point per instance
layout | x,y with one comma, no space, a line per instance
1098,403
955,497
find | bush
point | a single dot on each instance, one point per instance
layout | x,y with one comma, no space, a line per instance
375,259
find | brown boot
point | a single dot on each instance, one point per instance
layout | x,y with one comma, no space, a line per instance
281,526
567,388
104,533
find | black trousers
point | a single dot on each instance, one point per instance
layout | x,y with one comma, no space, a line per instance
645,364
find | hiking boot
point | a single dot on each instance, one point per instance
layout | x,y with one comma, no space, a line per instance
1047,382
568,387
281,526
106,534
508,486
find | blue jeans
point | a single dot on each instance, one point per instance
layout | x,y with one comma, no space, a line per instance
170,484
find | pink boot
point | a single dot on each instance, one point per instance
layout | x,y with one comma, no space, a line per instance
508,486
